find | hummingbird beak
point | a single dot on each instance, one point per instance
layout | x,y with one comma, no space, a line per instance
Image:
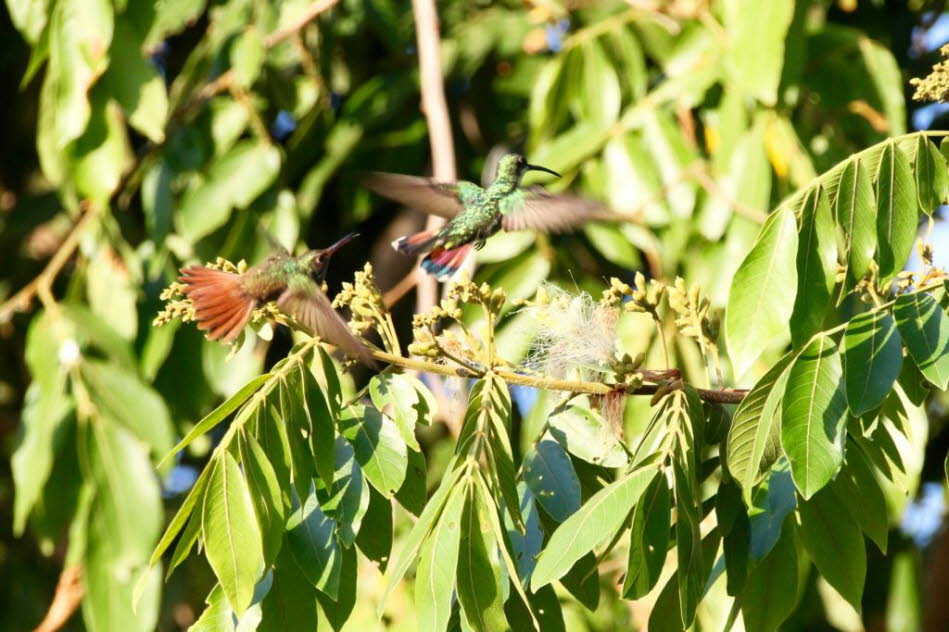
539,168
328,252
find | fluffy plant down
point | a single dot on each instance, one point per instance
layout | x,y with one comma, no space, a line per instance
574,331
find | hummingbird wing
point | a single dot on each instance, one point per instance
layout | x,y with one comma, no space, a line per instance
445,199
306,302
533,208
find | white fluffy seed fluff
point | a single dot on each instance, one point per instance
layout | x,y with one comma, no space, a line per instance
572,331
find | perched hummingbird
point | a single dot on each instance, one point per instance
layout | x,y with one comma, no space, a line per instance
476,213
223,301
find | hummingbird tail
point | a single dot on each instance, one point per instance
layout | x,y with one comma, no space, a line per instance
221,307
444,263
416,244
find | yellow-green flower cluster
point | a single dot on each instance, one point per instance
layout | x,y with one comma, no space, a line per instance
935,86
644,297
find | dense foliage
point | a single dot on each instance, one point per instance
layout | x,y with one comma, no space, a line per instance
665,421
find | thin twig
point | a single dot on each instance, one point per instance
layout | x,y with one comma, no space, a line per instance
65,601
41,286
724,396
439,126
312,12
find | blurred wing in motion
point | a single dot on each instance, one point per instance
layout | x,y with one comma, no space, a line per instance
444,199
536,209
312,309
221,306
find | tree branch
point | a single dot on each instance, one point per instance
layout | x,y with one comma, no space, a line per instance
439,126
724,396
65,601
41,286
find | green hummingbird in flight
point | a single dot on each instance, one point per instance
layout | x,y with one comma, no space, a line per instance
223,301
476,213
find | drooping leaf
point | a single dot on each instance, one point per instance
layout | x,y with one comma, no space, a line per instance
924,327
813,415
855,213
771,591
586,435
549,474
265,495
478,576
649,538
438,561
873,355
753,442
816,267
380,449
312,541
763,291
858,490
375,533
597,520
897,210
231,536
291,602
756,45
834,541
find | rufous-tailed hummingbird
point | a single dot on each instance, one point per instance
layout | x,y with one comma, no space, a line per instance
223,301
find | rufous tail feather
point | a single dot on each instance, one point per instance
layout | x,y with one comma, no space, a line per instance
442,264
221,307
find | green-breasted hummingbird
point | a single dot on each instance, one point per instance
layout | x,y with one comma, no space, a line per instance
476,213
223,301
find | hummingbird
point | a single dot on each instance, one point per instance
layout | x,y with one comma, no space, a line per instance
476,213
223,301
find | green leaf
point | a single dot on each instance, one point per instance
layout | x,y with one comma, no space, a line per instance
582,581
338,609
549,474
420,531
688,537
265,494
924,327
834,541
375,534
414,491
293,416
181,517
136,84
597,520
478,577
348,499
816,267
612,244
29,17
753,442
396,396
600,99
925,171
855,213
291,602
217,616
771,590
438,561
873,355
112,291
913,383
247,56
379,447
231,536
857,489
584,434
125,398
755,53
897,210
101,154
813,415
80,33
545,603
233,181
649,540
312,540
771,507
762,294
319,425
667,613
218,415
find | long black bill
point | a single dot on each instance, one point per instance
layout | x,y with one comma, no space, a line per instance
544,169
339,244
